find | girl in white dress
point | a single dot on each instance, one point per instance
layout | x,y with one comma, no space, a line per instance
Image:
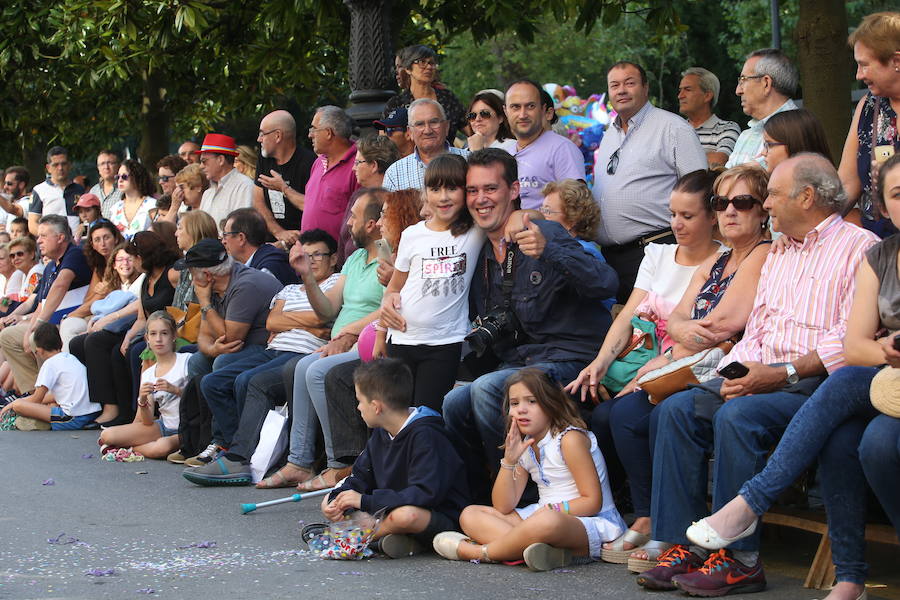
575,513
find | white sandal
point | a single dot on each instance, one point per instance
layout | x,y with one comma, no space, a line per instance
654,549
447,544
618,554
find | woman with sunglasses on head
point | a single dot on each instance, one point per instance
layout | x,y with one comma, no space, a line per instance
792,132
132,213
417,72
103,238
714,306
488,122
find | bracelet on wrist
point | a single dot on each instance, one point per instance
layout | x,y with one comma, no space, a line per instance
509,467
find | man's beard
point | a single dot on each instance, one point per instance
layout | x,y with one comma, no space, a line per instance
358,240
263,153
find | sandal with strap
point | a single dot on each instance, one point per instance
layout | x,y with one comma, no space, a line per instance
324,480
617,554
278,479
653,549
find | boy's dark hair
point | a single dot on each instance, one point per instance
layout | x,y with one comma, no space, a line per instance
314,236
46,337
386,379
19,221
164,202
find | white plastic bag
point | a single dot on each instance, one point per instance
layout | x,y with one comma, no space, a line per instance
273,441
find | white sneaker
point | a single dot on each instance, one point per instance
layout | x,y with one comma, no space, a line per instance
701,533
204,458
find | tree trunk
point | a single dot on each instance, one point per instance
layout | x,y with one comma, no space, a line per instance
825,67
154,122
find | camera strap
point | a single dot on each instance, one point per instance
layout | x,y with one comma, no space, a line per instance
507,285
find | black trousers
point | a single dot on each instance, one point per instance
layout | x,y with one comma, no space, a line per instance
108,373
434,370
626,261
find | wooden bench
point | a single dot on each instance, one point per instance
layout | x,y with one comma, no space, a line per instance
821,571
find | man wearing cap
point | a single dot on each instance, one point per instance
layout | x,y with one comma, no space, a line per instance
282,172
542,155
244,239
331,179
188,152
106,189
394,128
58,195
229,189
88,208
428,127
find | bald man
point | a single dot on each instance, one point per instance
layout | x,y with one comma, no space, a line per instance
282,171
186,152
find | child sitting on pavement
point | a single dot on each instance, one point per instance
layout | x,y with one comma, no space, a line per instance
409,467
60,399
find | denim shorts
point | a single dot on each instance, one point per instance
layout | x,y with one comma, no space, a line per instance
165,431
60,421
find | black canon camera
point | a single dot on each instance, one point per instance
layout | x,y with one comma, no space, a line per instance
500,326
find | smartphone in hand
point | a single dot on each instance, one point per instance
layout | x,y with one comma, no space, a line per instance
734,370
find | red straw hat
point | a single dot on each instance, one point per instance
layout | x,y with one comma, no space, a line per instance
218,143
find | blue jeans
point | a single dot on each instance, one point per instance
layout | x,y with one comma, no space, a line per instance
200,364
690,425
473,416
879,452
220,389
829,426
310,408
630,425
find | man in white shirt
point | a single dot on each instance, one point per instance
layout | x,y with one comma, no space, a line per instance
106,189
56,196
229,189
766,84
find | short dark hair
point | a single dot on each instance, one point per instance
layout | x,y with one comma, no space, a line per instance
19,221
314,236
386,379
20,172
56,151
536,86
627,63
493,156
164,202
376,198
46,337
547,101
172,162
109,152
250,223
153,250
800,131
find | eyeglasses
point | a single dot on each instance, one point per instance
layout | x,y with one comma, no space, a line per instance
545,210
227,233
769,145
315,129
265,133
318,255
484,114
613,163
122,177
358,162
429,124
742,202
17,254
744,78
165,178
425,62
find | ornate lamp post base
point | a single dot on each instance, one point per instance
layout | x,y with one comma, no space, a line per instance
371,59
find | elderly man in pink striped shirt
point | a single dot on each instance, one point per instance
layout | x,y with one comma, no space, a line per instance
792,341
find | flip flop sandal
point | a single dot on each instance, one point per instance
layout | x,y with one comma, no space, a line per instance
618,554
653,549
278,480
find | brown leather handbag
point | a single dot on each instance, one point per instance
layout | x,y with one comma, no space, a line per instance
678,375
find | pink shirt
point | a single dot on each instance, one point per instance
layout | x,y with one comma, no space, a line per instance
804,297
328,192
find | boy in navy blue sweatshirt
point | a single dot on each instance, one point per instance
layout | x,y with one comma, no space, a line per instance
409,466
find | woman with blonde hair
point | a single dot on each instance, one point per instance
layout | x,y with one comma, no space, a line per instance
245,161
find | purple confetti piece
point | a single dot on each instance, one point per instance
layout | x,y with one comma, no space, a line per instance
563,571
475,561
49,482
146,591
100,572
87,456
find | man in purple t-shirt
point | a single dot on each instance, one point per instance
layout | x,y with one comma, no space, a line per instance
331,179
542,156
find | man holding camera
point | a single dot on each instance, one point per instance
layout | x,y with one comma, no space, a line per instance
537,300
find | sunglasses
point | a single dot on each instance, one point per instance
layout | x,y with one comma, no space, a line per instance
165,178
122,177
484,114
742,202
390,130
613,163
17,254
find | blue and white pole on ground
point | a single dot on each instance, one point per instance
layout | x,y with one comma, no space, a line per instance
250,507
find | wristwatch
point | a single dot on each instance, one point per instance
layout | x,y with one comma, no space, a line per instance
204,310
793,377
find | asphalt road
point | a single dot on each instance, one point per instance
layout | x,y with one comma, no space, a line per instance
143,522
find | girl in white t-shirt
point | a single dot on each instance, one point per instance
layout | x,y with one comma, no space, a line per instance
433,270
161,386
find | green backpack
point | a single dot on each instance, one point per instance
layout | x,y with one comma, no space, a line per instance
640,350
